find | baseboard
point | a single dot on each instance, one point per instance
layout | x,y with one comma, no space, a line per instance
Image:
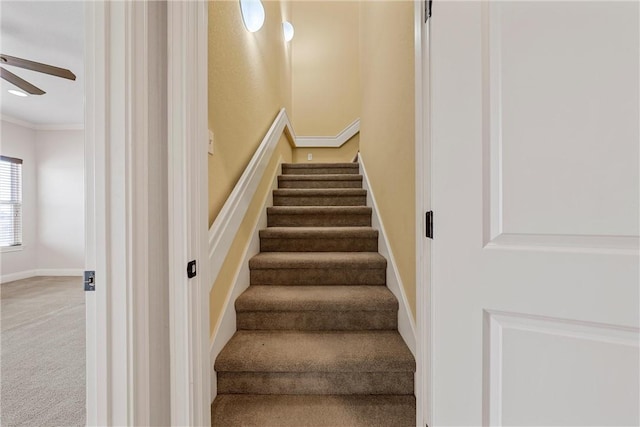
6,278
227,325
17,276
406,324
59,272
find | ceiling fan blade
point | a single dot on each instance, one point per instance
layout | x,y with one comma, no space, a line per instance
21,83
37,66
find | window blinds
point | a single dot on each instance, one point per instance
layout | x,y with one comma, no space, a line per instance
10,201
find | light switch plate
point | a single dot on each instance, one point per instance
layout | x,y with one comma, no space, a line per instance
309,156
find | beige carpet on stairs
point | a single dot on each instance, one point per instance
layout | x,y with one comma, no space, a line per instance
317,341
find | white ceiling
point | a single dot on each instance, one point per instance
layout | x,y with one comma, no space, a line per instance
51,32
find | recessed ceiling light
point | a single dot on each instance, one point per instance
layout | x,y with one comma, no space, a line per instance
17,92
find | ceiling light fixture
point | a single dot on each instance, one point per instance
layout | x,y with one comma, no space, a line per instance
252,14
17,92
287,28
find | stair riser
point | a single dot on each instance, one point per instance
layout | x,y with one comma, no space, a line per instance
319,200
319,184
319,245
318,276
315,383
318,320
319,171
279,220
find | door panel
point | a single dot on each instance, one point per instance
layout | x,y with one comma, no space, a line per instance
535,141
558,364
566,104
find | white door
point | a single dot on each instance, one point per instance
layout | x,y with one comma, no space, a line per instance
535,130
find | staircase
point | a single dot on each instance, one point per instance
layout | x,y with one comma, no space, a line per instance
317,341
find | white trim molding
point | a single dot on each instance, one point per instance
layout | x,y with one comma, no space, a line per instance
35,126
424,291
122,44
6,278
406,324
188,217
16,248
224,228
42,272
59,272
330,141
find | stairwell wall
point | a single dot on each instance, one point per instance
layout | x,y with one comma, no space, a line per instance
387,127
222,287
325,75
249,82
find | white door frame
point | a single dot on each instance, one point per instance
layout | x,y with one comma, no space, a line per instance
121,167
97,381
423,388
115,118
188,214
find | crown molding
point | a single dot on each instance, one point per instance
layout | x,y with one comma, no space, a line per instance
35,126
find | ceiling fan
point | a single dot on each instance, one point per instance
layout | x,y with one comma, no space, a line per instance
30,65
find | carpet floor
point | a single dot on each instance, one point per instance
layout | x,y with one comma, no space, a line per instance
42,365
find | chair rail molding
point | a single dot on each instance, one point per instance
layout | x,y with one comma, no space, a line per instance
330,141
226,225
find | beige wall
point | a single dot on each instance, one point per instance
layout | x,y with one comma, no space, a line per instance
232,263
249,82
326,66
387,125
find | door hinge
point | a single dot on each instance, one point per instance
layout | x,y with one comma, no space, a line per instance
89,280
429,224
428,6
191,269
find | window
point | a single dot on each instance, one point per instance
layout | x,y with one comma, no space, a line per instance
10,201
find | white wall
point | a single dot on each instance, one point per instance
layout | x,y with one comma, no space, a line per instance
60,198
18,141
53,201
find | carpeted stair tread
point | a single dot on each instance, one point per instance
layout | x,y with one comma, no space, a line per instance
322,260
319,239
316,192
234,410
320,197
320,165
320,210
321,177
320,168
320,181
316,298
296,351
313,411
318,216
318,232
